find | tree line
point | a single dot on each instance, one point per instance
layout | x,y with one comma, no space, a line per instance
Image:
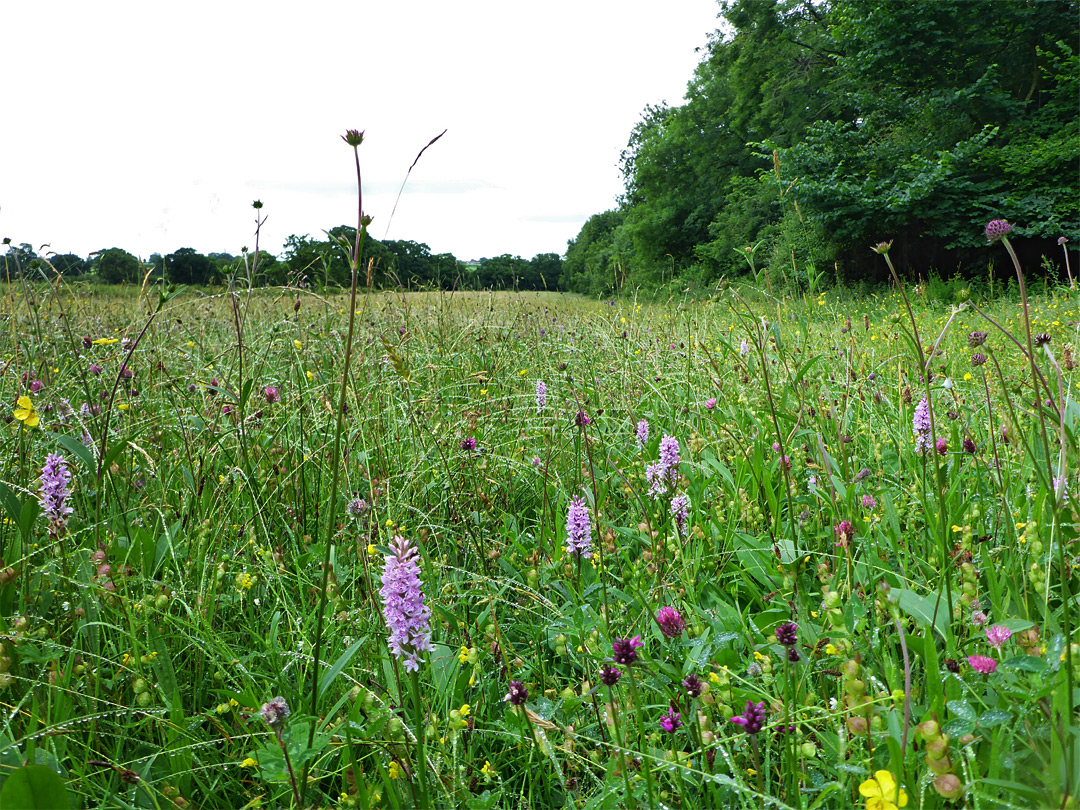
813,129
305,260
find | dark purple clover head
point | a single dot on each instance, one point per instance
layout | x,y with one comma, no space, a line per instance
624,650
976,339
517,694
693,685
468,444
610,675
753,717
787,634
671,721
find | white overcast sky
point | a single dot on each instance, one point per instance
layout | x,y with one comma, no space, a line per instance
152,126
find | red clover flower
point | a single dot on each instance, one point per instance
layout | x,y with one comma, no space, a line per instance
997,635
671,623
982,664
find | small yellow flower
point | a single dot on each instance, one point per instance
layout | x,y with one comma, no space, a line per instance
394,771
882,793
123,406
483,392
463,656
371,550
249,763
104,341
310,376
26,412
830,649
465,710
297,344
714,678
487,770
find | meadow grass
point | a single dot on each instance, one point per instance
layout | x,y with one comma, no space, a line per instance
857,606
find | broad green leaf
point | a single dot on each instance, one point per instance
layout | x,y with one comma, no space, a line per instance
34,787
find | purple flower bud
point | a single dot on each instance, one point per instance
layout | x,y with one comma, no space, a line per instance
275,712
997,229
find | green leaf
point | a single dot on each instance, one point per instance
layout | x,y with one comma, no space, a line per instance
34,787
921,609
342,662
961,710
79,450
994,717
1026,663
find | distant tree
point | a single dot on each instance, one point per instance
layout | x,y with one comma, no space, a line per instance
410,263
544,272
187,266
593,264
117,266
21,260
68,264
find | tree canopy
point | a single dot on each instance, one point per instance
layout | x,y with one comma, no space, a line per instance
814,128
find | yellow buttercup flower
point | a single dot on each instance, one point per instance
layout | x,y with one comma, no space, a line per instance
882,793
26,413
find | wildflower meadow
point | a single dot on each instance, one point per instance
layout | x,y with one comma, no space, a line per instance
343,548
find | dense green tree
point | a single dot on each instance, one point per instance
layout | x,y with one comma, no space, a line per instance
117,266
812,128
188,266
593,264
958,111
545,269
68,264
